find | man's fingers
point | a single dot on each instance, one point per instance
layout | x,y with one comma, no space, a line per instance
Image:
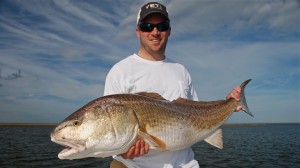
129,153
235,93
239,108
147,147
138,149
142,151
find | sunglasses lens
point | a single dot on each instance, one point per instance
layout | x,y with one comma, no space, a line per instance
148,27
163,26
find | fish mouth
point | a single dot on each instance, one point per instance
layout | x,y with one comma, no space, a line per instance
71,148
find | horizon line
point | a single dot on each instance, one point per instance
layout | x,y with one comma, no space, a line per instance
55,124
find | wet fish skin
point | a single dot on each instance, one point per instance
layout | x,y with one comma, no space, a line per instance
111,124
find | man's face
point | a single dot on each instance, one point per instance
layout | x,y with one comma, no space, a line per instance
153,42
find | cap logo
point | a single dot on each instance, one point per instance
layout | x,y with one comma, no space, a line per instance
156,6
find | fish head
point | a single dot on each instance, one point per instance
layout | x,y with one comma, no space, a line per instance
98,129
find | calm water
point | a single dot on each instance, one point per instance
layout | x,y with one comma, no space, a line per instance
270,145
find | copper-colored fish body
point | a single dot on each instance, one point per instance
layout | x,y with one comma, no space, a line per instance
111,124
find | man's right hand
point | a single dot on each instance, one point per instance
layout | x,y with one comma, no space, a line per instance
140,148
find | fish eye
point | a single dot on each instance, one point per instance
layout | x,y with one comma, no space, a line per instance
76,123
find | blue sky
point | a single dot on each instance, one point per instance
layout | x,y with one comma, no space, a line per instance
64,49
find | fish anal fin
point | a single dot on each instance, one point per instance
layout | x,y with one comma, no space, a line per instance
152,140
151,95
216,139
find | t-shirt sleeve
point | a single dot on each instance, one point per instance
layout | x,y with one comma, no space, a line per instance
192,95
113,83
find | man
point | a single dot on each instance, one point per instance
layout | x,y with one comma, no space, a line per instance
150,71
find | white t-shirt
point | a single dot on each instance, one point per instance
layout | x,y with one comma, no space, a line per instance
169,79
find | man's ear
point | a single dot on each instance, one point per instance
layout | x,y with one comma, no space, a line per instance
137,32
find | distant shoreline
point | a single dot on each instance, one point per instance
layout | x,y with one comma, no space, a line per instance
55,124
27,124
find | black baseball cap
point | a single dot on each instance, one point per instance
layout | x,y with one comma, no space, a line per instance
149,8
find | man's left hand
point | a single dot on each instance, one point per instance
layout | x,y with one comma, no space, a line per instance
235,94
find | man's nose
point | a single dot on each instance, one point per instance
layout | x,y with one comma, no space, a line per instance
155,31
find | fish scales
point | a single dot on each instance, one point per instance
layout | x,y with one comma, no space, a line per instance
110,125
154,115
161,117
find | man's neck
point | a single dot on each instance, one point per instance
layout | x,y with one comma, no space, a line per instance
151,57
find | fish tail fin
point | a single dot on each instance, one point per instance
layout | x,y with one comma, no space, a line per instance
243,98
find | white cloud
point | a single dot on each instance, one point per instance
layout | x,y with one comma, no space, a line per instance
233,62
232,17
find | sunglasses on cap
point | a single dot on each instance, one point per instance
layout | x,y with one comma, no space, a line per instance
148,27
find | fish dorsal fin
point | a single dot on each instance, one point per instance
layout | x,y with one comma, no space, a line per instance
152,140
152,95
181,101
216,139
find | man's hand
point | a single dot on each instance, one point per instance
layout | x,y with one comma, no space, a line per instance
235,94
138,149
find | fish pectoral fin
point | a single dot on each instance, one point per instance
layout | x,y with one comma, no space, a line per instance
216,139
153,141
